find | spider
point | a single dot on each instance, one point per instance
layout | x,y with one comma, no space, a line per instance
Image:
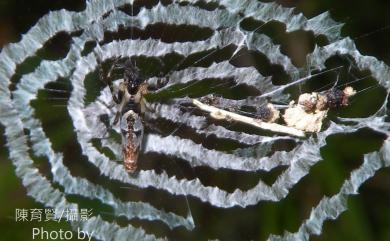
131,105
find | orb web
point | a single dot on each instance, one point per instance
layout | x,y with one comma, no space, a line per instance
210,61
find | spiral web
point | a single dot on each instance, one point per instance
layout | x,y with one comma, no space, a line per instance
27,139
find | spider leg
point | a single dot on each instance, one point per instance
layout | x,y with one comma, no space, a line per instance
113,67
161,82
117,117
107,79
109,106
147,106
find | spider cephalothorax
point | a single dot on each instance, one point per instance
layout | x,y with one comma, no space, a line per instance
130,102
132,77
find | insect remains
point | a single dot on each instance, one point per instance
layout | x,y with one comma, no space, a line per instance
131,105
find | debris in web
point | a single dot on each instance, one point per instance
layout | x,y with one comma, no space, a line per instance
307,115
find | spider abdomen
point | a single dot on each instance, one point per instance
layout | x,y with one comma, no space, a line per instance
132,134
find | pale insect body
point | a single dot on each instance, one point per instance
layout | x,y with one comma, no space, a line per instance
132,131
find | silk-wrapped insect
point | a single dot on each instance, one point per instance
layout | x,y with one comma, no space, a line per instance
131,105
